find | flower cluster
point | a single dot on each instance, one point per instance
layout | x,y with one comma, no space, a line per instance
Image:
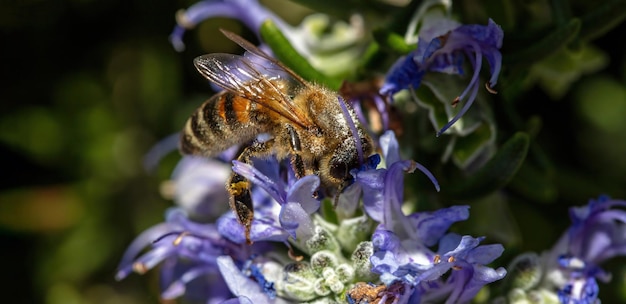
397,253
365,242
569,272
441,48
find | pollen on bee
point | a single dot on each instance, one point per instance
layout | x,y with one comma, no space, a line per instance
238,188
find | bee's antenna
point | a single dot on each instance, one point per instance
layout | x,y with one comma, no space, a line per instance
355,132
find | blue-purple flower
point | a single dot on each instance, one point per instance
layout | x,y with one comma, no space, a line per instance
570,271
443,50
402,253
283,204
402,244
597,234
187,251
402,247
380,186
246,289
331,46
198,185
249,12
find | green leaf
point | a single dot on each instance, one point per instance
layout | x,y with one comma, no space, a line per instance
437,92
328,211
392,41
343,9
534,184
467,148
496,173
372,59
546,46
284,51
556,73
437,110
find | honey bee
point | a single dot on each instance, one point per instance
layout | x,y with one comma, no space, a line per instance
308,123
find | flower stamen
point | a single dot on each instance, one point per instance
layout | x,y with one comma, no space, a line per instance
437,259
489,89
140,268
183,20
456,101
292,254
180,237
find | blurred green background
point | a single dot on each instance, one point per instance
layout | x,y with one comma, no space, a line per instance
89,86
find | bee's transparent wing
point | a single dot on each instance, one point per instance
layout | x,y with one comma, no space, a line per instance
257,80
253,50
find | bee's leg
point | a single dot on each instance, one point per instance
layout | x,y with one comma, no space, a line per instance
296,159
239,187
241,203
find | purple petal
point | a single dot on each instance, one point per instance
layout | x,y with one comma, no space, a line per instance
405,73
433,273
485,254
293,216
372,182
165,146
467,243
385,240
494,58
250,13
491,35
199,185
178,287
393,217
390,148
431,226
257,177
240,285
302,191
470,279
449,243
466,106
240,300
384,263
139,243
583,290
262,230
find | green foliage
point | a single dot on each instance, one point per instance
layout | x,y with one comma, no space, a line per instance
496,173
285,53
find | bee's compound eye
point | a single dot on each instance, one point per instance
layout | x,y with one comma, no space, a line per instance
339,170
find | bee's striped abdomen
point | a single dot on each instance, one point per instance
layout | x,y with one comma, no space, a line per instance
221,122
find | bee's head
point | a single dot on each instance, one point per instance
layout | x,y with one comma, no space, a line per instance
349,154
337,166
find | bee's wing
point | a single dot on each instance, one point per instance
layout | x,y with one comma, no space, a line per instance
252,49
254,79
